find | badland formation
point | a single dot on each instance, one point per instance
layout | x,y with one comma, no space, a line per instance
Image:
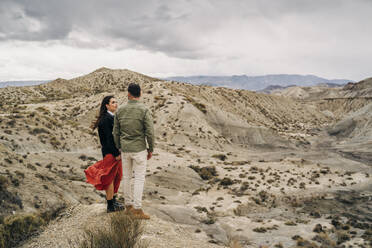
231,167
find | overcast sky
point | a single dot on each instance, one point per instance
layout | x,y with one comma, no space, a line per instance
47,39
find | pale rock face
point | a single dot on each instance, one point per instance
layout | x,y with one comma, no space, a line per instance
229,165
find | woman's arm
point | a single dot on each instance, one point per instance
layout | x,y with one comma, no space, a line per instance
116,132
109,140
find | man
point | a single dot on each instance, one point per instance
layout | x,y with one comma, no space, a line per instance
133,128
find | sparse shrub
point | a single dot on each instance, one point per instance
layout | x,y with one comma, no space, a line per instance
205,173
54,142
9,161
53,211
290,223
39,131
123,231
83,157
226,181
305,243
38,175
324,239
201,209
302,185
7,131
235,244
260,229
342,237
222,157
15,181
244,187
367,235
43,109
3,182
76,109
209,221
318,228
11,123
30,166
197,105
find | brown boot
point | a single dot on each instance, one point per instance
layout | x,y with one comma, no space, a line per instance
128,209
139,214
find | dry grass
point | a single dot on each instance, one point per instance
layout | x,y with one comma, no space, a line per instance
122,232
199,106
235,244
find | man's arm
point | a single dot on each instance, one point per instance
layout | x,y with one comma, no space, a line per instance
149,131
116,132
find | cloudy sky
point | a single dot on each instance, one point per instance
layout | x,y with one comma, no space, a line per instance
46,39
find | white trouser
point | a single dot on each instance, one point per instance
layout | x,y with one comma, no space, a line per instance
134,163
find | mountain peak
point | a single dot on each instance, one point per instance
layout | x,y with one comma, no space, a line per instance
102,69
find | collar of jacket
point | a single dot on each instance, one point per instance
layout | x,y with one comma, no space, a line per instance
132,101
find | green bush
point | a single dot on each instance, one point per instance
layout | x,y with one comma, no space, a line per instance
16,228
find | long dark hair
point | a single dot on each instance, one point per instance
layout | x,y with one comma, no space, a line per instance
102,111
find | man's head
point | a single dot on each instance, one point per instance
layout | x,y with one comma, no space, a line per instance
134,90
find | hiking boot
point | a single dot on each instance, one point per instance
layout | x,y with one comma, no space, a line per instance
128,209
118,206
139,214
110,208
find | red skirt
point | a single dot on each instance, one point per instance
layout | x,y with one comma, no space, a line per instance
102,173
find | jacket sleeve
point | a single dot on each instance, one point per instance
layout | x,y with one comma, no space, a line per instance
116,132
109,141
149,130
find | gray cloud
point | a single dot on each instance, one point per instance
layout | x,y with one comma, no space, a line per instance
261,30
177,28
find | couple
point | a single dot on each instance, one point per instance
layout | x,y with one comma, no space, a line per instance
125,132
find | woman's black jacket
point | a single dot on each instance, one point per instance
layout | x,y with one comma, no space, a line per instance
105,127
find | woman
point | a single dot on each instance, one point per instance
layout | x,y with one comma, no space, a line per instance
107,173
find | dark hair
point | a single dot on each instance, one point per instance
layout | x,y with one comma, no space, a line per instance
102,110
134,89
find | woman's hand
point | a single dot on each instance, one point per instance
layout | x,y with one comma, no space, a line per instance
149,155
118,157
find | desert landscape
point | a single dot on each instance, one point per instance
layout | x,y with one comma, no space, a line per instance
231,168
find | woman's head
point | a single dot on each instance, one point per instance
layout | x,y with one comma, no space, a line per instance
108,103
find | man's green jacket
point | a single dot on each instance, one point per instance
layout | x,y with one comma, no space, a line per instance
133,126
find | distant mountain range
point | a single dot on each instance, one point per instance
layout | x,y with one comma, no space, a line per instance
257,83
269,89
22,83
